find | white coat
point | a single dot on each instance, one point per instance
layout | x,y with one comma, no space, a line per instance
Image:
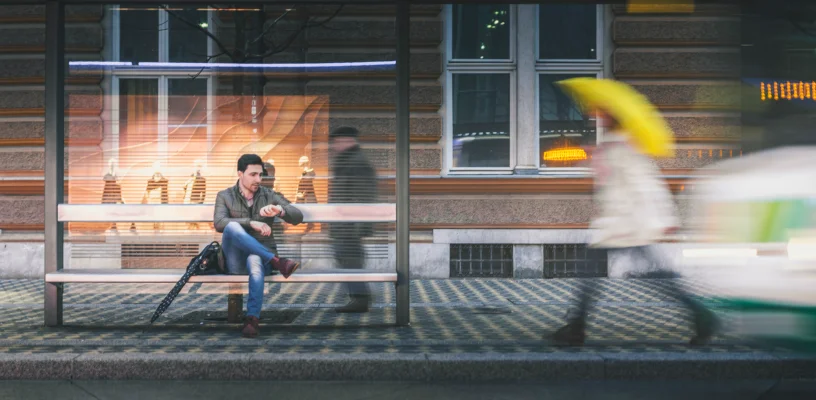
634,202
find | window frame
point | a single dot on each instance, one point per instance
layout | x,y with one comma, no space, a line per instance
598,133
474,61
449,121
599,41
478,66
512,66
566,66
162,76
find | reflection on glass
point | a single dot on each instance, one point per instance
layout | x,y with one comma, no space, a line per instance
481,31
188,43
138,35
563,129
187,116
138,119
567,31
481,120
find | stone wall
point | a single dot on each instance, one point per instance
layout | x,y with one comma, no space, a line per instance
22,105
689,66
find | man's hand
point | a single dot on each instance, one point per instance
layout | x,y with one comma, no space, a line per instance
271,211
261,228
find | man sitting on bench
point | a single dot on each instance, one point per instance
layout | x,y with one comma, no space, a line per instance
244,214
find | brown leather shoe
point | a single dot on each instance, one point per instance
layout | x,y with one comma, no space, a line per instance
285,266
251,328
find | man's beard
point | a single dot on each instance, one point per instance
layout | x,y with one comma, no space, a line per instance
251,189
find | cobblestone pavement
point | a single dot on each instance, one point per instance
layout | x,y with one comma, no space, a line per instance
447,316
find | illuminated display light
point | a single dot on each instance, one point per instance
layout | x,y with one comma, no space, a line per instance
660,6
564,154
787,90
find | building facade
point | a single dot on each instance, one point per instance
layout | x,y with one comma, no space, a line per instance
499,186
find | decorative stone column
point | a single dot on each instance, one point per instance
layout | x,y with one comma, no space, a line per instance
526,126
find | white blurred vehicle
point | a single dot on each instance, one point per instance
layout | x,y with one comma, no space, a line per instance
754,220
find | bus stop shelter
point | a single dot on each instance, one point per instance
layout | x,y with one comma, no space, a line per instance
55,135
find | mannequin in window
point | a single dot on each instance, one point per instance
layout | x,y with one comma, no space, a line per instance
195,189
112,191
156,190
306,191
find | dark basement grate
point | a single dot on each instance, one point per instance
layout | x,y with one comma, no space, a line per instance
481,261
574,261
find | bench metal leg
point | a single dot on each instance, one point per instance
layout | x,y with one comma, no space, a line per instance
235,303
235,306
53,304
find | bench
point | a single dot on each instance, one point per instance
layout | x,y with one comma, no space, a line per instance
191,213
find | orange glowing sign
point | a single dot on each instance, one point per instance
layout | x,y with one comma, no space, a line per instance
660,6
787,90
565,154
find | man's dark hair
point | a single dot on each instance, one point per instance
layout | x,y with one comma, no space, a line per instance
247,160
269,170
344,131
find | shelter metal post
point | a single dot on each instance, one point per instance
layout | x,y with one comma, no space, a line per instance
403,163
54,153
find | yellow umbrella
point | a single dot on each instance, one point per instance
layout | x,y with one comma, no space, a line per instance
647,129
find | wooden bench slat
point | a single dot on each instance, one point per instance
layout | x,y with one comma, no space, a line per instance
374,212
173,275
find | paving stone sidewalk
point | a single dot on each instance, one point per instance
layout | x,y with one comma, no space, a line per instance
485,315
490,318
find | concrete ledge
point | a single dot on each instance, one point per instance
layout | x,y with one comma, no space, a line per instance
697,366
405,367
36,366
510,367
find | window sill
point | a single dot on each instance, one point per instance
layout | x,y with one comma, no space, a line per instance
480,172
565,172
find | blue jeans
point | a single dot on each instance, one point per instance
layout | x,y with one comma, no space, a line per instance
244,255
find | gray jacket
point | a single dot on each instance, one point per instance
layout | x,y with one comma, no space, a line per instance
231,206
354,180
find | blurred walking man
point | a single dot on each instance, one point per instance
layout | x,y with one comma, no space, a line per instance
354,180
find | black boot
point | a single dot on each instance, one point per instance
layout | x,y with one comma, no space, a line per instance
571,334
358,304
705,326
705,322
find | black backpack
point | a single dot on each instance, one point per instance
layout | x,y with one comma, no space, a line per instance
210,261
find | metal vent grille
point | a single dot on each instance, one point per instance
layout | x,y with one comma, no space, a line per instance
160,250
574,261
158,255
481,261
